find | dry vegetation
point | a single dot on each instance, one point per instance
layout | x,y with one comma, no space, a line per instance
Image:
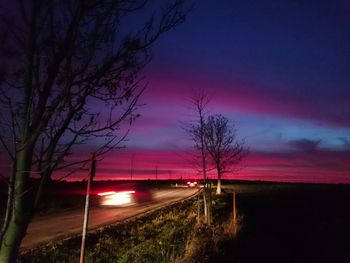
171,234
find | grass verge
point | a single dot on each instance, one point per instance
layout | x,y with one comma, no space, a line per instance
170,234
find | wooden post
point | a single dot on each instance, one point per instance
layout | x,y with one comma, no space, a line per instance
210,207
86,213
198,208
234,212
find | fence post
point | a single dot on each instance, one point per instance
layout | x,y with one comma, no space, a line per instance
234,212
86,213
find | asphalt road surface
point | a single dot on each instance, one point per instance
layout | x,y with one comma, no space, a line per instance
62,225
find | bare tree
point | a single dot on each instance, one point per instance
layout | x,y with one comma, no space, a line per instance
69,76
221,142
196,130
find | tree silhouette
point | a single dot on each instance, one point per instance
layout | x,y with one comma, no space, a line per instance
69,76
221,142
196,130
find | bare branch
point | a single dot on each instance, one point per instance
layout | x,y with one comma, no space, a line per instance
70,77
221,142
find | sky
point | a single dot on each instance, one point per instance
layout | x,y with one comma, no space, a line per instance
278,70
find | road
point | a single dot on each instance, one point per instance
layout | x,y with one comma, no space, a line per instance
62,225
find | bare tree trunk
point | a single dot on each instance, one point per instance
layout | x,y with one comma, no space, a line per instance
9,203
21,209
234,212
43,180
218,188
204,167
12,239
210,202
222,145
68,57
205,206
198,209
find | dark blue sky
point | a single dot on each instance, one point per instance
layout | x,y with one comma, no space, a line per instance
292,52
278,69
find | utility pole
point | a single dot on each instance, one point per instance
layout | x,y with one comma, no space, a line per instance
86,213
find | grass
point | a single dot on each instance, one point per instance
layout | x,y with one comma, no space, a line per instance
278,222
170,234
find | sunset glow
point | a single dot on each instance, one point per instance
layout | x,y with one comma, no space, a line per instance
278,71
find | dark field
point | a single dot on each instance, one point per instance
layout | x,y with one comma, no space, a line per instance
290,223
278,222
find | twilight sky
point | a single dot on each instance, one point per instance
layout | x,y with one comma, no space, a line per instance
279,70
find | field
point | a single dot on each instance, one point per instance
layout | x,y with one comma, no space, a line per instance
290,223
278,222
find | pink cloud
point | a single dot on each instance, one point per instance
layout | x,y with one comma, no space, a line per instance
173,90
